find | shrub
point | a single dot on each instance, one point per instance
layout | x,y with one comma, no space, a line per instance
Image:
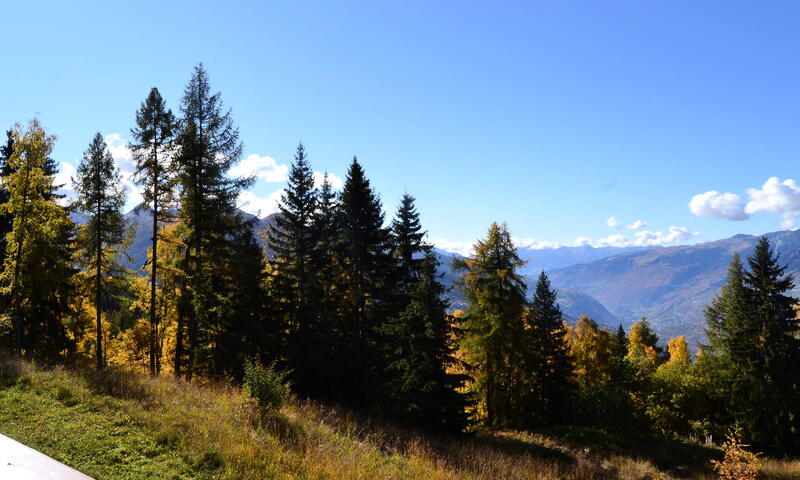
738,463
267,385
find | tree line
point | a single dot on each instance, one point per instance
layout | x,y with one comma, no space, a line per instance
351,306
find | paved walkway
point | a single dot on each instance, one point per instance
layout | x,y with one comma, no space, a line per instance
18,462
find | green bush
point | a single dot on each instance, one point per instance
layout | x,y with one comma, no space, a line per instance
267,385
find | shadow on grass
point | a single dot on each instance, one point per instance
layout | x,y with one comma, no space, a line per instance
679,459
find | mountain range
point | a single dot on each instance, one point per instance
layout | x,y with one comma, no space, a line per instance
671,286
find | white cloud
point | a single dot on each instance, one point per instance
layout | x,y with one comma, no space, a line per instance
264,167
647,238
675,235
613,241
637,225
334,180
778,197
123,159
66,172
461,248
712,204
613,222
582,241
260,206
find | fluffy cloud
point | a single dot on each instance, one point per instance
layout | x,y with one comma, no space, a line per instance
778,197
712,204
613,222
335,181
259,206
461,248
66,172
613,241
265,168
123,159
637,225
648,238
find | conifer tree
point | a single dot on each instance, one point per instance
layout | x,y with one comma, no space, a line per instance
551,365
493,328
731,354
153,135
778,426
208,146
36,277
292,243
363,253
418,338
101,195
327,283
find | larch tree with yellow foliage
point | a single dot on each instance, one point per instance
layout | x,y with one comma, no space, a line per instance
36,278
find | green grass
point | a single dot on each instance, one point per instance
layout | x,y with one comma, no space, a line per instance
119,425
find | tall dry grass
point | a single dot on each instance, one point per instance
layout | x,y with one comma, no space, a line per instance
217,428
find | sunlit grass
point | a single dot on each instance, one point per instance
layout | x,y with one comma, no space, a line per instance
119,425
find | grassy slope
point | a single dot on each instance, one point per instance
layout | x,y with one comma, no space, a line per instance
127,426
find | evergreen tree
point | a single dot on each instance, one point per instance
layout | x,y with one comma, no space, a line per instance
101,195
208,146
551,367
733,354
778,426
292,243
418,339
153,135
327,283
493,329
242,332
366,267
36,277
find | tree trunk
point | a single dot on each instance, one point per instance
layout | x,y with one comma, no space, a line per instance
153,266
98,268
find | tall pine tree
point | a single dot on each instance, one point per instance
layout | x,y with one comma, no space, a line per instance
153,135
292,244
551,368
493,329
363,253
418,338
778,426
208,146
101,196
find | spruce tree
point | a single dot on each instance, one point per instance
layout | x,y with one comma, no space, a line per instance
551,367
733,353
366,267
208,146
153,135
493,329
37,276
101,196
327,283
778,426
292,243
418,339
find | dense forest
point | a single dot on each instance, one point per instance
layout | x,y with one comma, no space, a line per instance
346,306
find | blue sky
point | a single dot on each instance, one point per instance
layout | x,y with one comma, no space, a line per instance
552,116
